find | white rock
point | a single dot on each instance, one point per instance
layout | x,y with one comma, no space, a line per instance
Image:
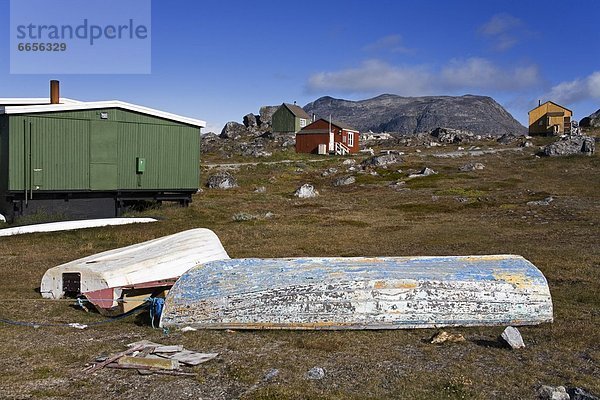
553,393
316,373
512,336
306,191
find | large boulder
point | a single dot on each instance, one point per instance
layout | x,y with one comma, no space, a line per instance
233,130
380,161
570,145
266,115
250,121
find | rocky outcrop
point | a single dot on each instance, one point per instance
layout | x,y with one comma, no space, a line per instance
479,115
448,135
571,145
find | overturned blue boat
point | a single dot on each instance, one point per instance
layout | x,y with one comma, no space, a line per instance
359,293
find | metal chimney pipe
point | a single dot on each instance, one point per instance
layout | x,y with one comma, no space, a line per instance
54,92
539,103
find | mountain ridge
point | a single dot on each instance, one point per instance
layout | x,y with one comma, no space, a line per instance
409,115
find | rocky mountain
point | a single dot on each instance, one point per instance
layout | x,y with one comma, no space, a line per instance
408,115
593,121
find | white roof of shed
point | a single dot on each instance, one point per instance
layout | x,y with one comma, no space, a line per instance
36,105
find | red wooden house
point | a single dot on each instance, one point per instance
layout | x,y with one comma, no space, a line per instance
327,137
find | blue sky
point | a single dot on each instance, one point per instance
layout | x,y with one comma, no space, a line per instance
218,60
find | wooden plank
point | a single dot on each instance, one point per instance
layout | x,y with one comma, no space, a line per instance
159,363
360,293
149,370
114,358
190,357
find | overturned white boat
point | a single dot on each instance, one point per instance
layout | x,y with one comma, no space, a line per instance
72,225
359,293
119,280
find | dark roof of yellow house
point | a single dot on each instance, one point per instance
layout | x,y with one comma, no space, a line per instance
556,104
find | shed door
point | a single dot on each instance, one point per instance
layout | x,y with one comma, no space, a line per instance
56,154
103,155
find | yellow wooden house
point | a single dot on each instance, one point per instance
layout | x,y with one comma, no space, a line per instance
550,118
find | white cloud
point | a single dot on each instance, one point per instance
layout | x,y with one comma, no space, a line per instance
480,73
576,90
214,127
374,76
459,75
503,30
391,43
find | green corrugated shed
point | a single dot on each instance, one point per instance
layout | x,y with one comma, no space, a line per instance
78,149
289,118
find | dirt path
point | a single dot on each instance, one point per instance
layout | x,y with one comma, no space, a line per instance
237,165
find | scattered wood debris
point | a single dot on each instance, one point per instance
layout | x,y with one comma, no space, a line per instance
153,358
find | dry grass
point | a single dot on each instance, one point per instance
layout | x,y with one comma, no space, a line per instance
368,218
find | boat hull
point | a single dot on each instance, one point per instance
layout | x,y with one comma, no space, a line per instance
359,293
119,280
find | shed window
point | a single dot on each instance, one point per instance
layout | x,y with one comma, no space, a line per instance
351,139
302,122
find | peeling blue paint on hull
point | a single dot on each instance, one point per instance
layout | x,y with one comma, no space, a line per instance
359,293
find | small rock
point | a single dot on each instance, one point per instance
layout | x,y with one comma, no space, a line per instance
221,180
471,167
239,217
271,374
445,337
329,171
545,202
461,199
553,393
581,394
316,373
344,181
349,161
269,214
526,144
260,189
306,191
512,337
424,172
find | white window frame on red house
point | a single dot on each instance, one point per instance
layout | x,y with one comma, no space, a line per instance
350,139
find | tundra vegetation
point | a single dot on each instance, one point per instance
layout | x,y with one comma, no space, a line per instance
453,212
